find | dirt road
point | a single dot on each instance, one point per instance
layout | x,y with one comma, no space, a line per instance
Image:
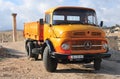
17,66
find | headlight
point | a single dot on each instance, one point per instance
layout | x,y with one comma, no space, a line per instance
105,46
65,46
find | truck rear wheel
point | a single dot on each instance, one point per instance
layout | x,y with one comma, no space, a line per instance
26,47
49,62
30,46
97,64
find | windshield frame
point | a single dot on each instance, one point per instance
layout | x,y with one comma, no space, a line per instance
74,12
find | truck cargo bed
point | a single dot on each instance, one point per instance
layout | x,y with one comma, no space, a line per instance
33,30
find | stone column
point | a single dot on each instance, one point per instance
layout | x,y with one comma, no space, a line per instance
14,27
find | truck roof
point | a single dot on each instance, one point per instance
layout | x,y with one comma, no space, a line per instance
67,7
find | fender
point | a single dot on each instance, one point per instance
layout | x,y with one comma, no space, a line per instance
50,45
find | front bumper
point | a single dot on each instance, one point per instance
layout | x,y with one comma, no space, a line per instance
85,56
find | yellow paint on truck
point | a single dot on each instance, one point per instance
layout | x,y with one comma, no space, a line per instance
67,34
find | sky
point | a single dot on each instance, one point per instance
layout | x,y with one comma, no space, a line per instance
32,10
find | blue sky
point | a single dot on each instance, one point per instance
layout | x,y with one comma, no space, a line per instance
33,10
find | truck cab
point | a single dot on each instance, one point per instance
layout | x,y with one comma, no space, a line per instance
74,30
70,35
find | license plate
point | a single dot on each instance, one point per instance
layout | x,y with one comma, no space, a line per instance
77,56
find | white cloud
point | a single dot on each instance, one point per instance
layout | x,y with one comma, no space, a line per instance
60,0
107,10
33,10
4,14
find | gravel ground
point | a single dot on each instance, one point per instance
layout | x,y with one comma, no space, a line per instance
15,65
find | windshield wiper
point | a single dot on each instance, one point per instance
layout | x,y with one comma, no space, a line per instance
89,24
75,23
64,23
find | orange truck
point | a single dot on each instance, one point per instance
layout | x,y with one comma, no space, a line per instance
67,35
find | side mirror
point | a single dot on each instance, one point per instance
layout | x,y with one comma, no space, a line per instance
41,21
101,24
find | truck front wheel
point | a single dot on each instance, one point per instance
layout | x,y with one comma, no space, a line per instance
49,62
97,63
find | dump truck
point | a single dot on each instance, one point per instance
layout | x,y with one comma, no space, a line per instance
67,35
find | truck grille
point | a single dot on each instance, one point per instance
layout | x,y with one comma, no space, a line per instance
87,45
79,33
83,34
96,34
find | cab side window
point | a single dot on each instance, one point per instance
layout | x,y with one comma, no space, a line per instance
47,18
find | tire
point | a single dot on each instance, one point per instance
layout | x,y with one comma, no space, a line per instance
26,47
30,46
97,64
49,62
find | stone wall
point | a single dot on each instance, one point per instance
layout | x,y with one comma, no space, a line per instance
114,42
8,36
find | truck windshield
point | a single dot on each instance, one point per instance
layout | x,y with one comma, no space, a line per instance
74,16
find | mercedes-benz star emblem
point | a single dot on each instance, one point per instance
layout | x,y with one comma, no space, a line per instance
87,45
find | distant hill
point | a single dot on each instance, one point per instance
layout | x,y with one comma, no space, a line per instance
10,30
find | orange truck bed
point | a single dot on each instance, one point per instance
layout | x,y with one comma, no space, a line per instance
33,30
